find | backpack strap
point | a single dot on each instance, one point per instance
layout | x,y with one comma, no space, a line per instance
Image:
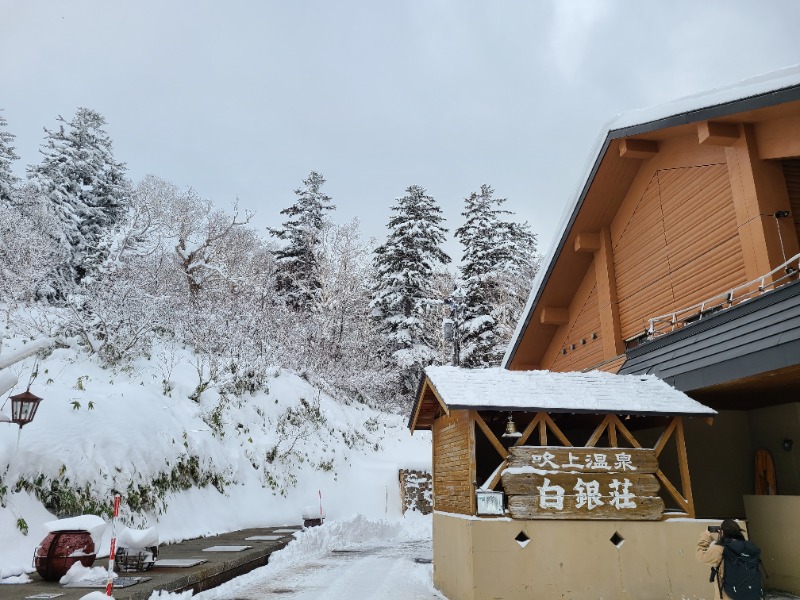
715,572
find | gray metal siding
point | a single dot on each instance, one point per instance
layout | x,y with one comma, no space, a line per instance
755,337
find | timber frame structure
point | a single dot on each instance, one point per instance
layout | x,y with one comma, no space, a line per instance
469,454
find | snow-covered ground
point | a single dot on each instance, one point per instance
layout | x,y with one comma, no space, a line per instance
356,558
134,430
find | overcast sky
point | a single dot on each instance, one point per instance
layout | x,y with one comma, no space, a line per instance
241,99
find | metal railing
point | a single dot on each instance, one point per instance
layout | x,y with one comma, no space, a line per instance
686,316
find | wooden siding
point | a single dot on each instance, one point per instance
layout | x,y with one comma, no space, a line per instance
680,245
610,366
581,350
453,464
791,172
703,244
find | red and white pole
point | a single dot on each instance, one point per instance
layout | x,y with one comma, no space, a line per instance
113,552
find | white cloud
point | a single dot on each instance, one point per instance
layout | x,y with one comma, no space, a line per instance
572,33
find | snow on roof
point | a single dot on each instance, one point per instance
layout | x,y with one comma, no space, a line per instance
595,392
747,88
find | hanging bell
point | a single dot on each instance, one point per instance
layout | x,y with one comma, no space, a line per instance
511,428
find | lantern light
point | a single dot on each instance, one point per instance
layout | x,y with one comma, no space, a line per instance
23,407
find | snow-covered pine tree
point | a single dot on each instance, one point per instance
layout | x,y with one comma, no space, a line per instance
83,185
487,251
296,262
403,294
7,178
515,278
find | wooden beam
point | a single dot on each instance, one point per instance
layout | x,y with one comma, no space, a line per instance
612,432
498,475
662,441
529,430
638,149
587,242
673,491
759,191
554,316
473,461
554,428
607,299
626,433
717,133
495,479
683,462
490,435
599,431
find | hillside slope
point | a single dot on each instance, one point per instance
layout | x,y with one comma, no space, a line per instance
190,467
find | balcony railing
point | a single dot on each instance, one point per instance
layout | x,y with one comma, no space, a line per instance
780,275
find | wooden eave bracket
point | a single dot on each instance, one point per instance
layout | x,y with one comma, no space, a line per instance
552,315
638,149
587,242
717,133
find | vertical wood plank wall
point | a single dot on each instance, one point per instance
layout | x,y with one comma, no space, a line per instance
583,333
675,243
680,246
452,465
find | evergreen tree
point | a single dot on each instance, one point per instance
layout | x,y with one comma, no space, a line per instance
82,185
515,278
404,295
297,264
7,178
485,237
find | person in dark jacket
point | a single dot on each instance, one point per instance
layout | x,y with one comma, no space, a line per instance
709,550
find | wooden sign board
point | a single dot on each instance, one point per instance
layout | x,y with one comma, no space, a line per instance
553,482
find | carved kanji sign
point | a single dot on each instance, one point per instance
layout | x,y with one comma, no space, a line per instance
547,482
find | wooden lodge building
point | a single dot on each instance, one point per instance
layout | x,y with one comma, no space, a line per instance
570,472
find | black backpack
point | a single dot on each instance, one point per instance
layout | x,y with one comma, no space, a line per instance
742,573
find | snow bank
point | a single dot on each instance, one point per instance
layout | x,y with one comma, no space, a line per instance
91,523
78,572
138,538
277,450
97,596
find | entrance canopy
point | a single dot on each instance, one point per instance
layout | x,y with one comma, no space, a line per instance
447,388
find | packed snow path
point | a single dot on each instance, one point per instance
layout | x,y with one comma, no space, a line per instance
357,558
394,571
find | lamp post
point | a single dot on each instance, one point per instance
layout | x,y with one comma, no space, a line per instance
452,326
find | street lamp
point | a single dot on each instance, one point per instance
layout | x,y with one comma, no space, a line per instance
23,407
452,326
